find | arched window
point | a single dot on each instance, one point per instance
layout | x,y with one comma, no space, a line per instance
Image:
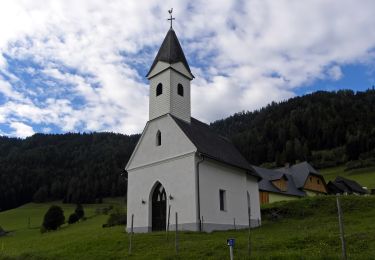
159,89
158,138
180,89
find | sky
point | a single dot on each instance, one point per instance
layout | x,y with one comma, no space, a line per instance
80,66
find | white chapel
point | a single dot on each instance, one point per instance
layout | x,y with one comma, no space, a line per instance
181,165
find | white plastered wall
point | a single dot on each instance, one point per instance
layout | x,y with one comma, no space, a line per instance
172,164
178,178
174,143
236,183
253,189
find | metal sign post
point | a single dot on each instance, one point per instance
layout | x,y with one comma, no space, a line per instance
230,243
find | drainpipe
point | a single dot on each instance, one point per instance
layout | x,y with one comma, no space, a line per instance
201,159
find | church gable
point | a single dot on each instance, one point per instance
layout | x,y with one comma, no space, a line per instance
161,140
162,66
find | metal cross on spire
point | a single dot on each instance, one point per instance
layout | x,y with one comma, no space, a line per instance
172,18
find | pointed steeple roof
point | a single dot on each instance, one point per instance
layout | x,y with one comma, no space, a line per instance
170,51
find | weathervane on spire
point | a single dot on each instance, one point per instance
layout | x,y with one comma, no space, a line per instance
172,18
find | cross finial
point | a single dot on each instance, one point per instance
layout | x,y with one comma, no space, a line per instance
171,18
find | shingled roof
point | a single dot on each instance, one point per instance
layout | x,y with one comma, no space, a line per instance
300,172
341,185
170,51
269,175
212,145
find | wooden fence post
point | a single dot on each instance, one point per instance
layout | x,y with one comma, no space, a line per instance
131,235
202,224
176,236
341,225
169,216
248,238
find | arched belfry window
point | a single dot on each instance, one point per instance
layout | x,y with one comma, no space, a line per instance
159,89
158,138
180,89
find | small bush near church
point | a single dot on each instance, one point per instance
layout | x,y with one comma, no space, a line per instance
53,218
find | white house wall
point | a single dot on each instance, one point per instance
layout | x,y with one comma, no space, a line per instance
178,178
214,176
253,189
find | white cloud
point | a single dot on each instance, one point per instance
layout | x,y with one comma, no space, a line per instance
335,73
21,129
246,54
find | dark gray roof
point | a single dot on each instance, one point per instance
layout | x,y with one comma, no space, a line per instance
352,186
268,176
170,51
212,145
300,172
337,187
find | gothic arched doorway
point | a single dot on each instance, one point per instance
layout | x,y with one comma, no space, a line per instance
159,208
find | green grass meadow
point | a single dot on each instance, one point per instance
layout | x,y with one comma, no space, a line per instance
364,176
307,229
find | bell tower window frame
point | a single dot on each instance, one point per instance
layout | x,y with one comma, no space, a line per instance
159,89
180,89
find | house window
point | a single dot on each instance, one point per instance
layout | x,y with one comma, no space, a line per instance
159,89
158,138
318,181
310,179
223,203
180,89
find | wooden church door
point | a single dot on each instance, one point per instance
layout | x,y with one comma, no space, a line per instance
159,208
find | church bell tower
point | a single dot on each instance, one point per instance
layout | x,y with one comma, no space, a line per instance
170,78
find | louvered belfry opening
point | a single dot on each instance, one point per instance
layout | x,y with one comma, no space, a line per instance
159,208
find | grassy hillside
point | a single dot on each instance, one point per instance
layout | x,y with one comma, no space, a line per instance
364,176
306,228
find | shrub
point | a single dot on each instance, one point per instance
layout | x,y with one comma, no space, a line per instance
351,165
79,211
73,218
2,232
118,217
53,218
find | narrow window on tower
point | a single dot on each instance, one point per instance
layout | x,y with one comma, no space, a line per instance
180,89
159,89
158,138
223,203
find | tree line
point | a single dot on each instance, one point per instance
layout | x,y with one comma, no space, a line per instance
325,128
75,168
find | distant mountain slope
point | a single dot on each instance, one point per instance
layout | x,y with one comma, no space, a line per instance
326,128
72,167
343,123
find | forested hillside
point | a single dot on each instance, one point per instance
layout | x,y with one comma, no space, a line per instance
326,128
69,167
